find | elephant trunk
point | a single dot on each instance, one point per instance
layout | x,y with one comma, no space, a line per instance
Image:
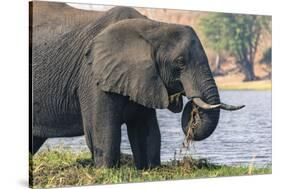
203,110
201,113
209,117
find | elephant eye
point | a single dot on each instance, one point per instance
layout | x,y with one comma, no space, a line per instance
179,61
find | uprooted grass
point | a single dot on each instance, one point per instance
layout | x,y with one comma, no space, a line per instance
58,168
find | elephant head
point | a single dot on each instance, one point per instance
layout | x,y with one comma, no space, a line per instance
155,64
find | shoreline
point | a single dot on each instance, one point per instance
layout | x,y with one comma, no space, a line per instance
251,85
60,168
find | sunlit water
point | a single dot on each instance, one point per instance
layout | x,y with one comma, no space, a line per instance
242,137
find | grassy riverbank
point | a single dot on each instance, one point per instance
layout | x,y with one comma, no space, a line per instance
58,168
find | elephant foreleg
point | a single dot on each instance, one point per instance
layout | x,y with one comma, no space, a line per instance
102,128
103,138
106,147
145,140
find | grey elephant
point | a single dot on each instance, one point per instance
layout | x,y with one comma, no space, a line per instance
97,79
55,66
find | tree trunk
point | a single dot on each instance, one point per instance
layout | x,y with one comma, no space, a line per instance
248,70
218,71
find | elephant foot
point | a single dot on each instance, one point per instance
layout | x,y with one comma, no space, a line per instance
103,158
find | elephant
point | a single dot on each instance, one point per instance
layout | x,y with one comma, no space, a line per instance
50,20
93,82
55,65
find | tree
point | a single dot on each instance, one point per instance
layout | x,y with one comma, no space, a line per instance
237,34
266,57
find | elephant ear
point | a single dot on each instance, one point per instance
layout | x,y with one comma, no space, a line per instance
123,64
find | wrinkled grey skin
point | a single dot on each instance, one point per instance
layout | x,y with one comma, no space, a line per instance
50,20
56,72
103,78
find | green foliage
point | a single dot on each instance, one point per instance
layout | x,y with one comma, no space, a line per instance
236,34
233,32
64,168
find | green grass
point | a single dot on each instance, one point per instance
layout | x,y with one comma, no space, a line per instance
58,168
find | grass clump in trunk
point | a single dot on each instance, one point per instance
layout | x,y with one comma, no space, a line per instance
58,168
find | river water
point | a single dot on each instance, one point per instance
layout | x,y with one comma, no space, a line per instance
241,138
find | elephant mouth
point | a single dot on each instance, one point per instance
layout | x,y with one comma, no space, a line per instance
176,102
175,96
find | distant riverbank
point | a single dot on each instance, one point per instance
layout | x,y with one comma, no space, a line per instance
59,168
250,85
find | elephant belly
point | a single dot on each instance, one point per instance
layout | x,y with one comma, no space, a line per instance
62,125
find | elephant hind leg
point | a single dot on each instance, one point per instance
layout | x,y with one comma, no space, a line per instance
35,143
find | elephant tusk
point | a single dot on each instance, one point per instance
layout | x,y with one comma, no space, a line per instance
223,106
204,105
230,107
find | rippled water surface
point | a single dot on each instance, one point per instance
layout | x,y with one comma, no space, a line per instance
241,137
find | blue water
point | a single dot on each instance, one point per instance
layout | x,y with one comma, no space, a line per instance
241,138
